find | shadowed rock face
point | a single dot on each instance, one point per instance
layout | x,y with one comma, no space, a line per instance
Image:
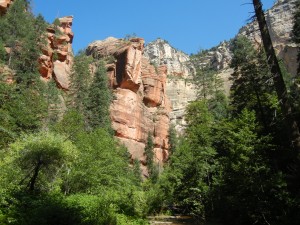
140,106
4,4
57,58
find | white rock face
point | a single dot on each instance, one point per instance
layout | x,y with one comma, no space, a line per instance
179,88
280,23
160,52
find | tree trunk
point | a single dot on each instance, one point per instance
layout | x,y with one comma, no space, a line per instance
35,175
286,106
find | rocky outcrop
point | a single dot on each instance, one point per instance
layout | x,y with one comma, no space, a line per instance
280,23
57,58
140,106
179,86
219,59
160,52
4,4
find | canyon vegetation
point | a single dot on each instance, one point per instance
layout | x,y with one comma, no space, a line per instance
122,131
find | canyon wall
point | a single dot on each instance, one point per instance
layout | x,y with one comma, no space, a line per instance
140,106
280,23
57,58
179,87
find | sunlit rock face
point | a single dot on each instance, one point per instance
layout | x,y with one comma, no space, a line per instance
280,23
179,86
57,58
140,106
4,4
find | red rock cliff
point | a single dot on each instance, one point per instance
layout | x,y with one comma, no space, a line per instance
57,58
140,104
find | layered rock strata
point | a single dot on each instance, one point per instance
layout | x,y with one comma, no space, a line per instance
57,59
179,87
140,106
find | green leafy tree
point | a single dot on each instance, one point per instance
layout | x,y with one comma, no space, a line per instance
189,176
109,167
249,189
37,159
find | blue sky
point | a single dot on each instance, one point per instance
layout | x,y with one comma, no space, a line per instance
188,25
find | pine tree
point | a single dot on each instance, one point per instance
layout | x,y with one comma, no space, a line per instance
81,79
99,99
291,125
151,165
251,81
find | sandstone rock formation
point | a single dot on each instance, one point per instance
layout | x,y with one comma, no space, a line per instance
56,61
179,87
140,106
4,4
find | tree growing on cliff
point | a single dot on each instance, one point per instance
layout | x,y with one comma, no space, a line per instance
21,32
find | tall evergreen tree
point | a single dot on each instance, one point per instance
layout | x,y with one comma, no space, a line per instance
81,79
245,192
151,165
251,81
291,125
99,99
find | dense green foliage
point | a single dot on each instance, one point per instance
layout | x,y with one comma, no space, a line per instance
151,165
233,163
59,167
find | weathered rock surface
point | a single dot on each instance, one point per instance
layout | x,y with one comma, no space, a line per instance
4,4
179,87
57,59
160,52
280,23
140,106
